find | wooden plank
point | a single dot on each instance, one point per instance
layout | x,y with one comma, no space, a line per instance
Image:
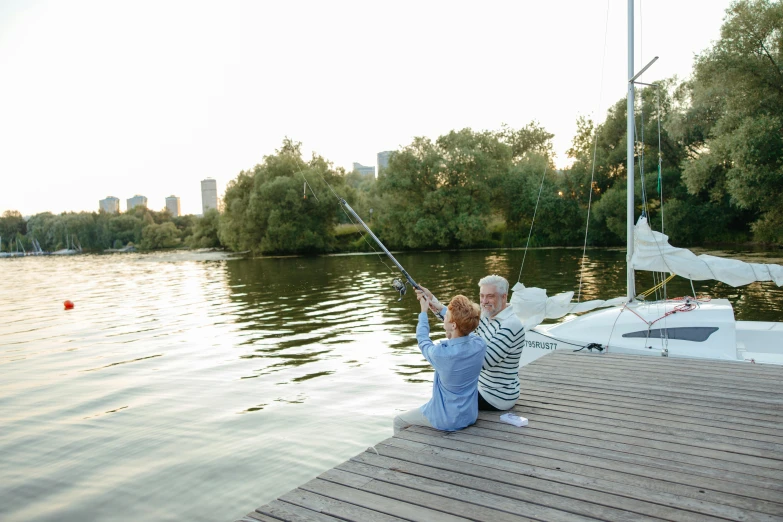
655,479
536,490
655,397
651,408
513,441
566,379
660,423
731,385
643,456
759,400
673,440
715,369
441,505
723,387
256,517
500,507
672,495
280,510
685,361
677,450
612,437
357,505
736,367
674,364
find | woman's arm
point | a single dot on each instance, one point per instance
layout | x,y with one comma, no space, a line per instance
423,328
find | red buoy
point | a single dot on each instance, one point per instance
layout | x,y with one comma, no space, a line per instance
68,305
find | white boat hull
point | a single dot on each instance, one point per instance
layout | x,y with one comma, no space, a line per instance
707,331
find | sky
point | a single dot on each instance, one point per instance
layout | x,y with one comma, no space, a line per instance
108,98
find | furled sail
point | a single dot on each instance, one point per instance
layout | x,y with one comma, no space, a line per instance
532,305
652,252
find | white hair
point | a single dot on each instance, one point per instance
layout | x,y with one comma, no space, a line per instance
500,283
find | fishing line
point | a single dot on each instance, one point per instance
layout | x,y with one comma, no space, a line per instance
343,209
397,283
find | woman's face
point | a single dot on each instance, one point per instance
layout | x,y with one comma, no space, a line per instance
449,326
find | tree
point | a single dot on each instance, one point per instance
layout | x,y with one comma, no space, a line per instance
156,236
12,224
205,231
266,210
733,127
437,194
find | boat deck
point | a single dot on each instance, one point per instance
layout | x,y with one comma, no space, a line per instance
611,437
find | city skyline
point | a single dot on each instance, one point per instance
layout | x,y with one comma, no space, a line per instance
89,105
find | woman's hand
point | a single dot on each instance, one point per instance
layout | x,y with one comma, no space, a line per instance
421,291
423,301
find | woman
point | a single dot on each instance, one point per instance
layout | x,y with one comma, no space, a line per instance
457,362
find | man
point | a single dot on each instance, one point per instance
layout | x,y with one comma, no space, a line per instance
498,385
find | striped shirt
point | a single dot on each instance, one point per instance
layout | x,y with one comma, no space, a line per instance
505,338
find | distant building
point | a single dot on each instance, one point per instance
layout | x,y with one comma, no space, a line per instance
364,171
209,197
383,160
172,205
110,205
137,201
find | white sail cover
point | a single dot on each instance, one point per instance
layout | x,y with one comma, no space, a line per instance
532,305
652,252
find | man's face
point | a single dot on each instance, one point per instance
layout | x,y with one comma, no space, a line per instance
492,301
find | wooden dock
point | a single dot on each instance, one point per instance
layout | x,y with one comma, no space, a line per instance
611,437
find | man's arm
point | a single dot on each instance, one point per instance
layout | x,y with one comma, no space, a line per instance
435,306
507,342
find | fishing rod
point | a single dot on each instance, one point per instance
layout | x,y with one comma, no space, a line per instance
397,283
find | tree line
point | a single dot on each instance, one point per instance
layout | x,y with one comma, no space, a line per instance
97,231
720,179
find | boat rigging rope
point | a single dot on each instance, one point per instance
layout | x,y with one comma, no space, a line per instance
595,151
543,175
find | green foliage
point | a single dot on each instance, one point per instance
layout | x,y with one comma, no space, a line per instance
266,210
157,236
186,225
205,231
732,127
12,225
437,195
99,231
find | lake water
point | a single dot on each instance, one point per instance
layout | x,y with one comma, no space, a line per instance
197,386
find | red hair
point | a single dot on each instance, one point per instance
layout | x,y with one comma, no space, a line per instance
464,313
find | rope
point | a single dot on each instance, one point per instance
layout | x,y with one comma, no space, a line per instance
540,188
595,149
659,285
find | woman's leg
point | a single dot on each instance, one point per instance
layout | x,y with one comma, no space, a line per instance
410,418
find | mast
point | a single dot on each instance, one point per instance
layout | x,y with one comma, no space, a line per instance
630,280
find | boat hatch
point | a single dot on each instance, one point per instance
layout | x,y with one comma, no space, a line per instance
697,334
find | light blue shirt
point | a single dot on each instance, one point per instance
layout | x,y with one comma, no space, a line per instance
457,363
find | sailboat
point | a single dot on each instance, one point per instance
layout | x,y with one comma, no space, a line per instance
685,327
4,254
71,248
15,253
